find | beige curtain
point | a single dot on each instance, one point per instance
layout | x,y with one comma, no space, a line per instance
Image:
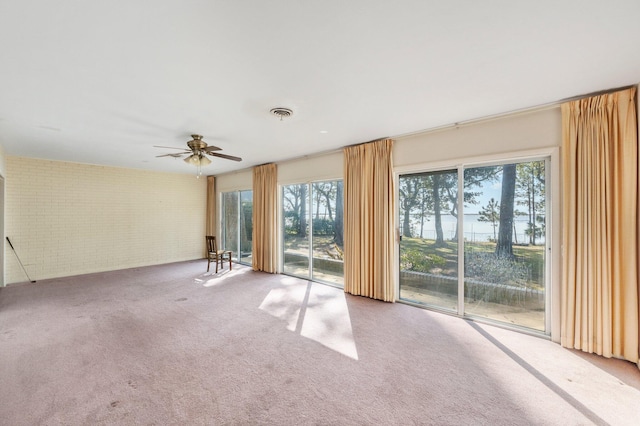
265,225
600,225
368,220
210,224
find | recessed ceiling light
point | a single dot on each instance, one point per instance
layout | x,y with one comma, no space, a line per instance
324,132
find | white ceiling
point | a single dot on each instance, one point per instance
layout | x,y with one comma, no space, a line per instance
102,82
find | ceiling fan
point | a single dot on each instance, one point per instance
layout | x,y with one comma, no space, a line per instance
197,153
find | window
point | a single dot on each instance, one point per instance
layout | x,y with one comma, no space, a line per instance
313,231
237,224
482,255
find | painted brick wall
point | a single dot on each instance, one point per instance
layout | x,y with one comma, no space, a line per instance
68,219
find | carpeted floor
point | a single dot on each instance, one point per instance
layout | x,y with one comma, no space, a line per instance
169,344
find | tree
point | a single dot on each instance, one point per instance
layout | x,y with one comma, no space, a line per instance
435,180
302,222
329,195
410,198
530,190
504,247
295,200
491,213
246,220
325,194
473,178
231,214
338,223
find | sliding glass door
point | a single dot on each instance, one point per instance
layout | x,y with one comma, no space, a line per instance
312,237
428,245
295,239
230,214
237,224
482,254
505,242
245,223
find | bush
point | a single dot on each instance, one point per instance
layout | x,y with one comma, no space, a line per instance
416,260
323,227
494,269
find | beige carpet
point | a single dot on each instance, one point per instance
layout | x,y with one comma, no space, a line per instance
171,345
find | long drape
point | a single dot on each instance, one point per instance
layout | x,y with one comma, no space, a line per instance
600,225
368,220
265,224
210,223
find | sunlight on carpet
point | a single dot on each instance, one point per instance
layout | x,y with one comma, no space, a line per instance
213,279
317,312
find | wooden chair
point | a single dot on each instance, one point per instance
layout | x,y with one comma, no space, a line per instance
218,256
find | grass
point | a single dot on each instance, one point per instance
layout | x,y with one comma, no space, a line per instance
323,246
533,256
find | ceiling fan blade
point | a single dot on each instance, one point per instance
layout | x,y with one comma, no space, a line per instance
225,156
212,148
171,155
168,147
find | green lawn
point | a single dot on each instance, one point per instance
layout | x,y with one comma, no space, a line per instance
533,256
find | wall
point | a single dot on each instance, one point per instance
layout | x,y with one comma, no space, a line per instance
2,162
326,166
320,167
2,251
508,134
68,219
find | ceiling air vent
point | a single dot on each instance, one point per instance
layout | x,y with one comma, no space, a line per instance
281,112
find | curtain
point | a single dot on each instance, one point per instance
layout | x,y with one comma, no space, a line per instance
210,224
265,225
599,310
368,220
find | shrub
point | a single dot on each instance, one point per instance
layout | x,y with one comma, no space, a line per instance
416,260
494,269
323,226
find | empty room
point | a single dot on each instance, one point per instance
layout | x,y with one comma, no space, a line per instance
319,213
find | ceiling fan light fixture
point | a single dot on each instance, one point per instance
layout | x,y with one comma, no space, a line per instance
197,153
204,161
192,159
197,160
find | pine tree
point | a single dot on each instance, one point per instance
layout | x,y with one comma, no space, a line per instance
491,213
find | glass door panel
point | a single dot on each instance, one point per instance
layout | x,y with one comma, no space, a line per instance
327,239
429,233
229,239
246,226
295,200
504,243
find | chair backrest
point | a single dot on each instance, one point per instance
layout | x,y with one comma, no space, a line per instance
211,244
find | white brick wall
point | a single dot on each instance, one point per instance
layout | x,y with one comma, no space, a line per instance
69,219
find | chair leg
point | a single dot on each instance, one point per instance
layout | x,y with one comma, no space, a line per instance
217,264
208,263
230,255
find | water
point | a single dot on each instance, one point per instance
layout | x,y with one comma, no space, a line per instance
474,230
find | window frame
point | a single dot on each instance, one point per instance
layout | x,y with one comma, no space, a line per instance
551,156
281,252
223,243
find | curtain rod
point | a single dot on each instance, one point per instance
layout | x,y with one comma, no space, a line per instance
513,113
598,93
